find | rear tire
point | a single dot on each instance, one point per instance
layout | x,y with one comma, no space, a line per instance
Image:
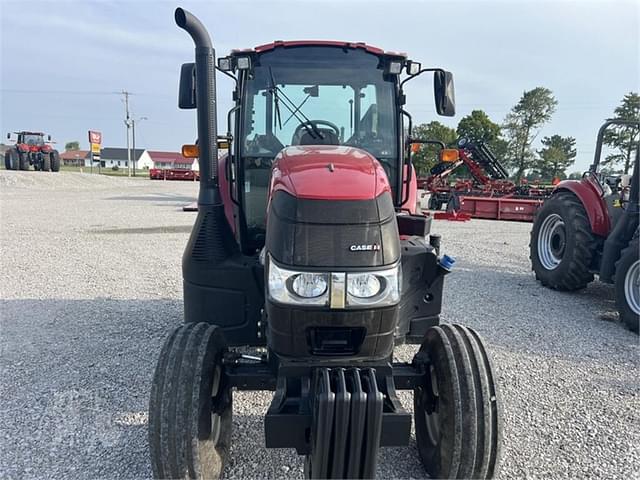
55,161
190,408
627,281
12,159
456,409
46,163
562,244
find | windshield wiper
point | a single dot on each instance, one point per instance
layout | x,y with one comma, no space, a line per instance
274,91
309,126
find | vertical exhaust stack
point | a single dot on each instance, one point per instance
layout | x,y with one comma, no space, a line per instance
206,105
211,242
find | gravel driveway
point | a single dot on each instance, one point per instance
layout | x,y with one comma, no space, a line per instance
90,284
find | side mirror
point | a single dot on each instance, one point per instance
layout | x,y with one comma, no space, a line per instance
444,93
49,137
187,89
8,136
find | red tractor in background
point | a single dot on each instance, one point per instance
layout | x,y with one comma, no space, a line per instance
590,226
32,149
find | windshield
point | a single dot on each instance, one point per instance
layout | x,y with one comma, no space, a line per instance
319,95
31,139
309,96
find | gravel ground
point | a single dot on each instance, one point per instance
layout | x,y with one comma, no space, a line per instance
91,284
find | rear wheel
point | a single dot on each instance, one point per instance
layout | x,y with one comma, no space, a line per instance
456,411
55,161
562,244
190,407
628,286
12,159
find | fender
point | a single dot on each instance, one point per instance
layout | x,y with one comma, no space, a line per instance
589,193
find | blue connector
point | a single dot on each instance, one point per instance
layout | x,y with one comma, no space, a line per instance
447,262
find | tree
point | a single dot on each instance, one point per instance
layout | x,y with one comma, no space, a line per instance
522,125
72,146
624,139
427,156
558,154
478,127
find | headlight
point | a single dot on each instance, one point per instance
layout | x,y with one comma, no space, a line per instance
309,285
378,288
362,285
297,288
335,290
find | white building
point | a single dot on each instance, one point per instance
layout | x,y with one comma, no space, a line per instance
111,157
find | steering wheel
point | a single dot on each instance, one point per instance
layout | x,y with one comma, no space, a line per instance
312,125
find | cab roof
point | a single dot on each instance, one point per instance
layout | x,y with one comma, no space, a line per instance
317,43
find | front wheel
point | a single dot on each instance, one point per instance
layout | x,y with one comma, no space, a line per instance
55,161
628,286
190,407
562,244
46,163
24,161
456,410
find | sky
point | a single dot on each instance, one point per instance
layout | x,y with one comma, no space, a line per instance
63,62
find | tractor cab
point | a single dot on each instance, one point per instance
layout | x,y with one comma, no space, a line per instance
31,139
302,93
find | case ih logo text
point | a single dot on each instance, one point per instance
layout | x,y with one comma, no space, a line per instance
365,248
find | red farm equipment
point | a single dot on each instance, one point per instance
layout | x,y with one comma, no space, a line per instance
488,193
174,174
32,149
292,274
586,228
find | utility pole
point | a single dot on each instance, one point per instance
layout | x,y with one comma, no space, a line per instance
133,125
127,122
133,131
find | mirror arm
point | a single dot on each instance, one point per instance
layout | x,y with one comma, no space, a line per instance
411,77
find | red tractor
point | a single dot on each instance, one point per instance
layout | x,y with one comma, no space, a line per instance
32,149
590,226
305,267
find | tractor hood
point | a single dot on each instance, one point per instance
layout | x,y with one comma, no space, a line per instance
328,172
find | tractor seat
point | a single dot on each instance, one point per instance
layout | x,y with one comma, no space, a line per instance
330,138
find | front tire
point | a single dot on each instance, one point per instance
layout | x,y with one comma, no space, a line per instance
627,281
456,410
55,161
190,407
24,161
562,244
46,163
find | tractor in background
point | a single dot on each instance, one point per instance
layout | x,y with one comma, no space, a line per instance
31,148
590,227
